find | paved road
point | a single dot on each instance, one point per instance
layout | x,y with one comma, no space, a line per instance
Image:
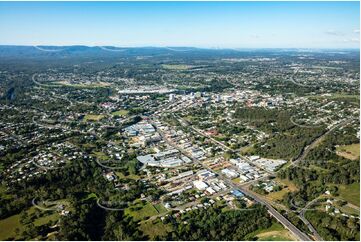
308,148
308,224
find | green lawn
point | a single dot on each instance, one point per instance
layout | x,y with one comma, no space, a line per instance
152,230
147,210
89,196
8,226
93,117
274,237
160,208
122,112
101,156
45,219
130,176
350,193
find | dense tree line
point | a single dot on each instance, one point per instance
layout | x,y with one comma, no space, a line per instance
213,224
333,227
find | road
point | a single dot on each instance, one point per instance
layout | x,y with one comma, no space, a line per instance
308,148
308,224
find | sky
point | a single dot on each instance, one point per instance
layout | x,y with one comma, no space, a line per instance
197,24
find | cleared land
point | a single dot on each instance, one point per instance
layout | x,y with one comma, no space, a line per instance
122,112
351,152
140,212
288,186
350,193
93,117
154,228
9,225
274,233
176,67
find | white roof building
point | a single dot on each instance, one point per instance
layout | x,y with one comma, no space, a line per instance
200,185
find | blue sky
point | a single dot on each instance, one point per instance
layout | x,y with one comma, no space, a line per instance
199,24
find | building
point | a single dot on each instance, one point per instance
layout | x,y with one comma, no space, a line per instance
237,193
171,97
230,173
200,185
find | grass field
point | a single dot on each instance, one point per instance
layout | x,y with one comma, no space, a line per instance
160,208
274,233
288,187
122,112
93,117
349,210
351,152
147,210
130,176
101,156
152,230
43,220
176,67
10,224
89,196
350,193
337,96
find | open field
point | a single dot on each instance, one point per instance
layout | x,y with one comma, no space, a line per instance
160,208
351,152
101,156
274,233
288,186
176,67
349,210
140,212
350,193
130,176
122,112
9,225
336,96
93,117
154,228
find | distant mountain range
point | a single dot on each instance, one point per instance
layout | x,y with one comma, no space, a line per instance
14,51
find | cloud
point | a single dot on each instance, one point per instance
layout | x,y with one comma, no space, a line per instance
356,31
255,36
334,32
352,40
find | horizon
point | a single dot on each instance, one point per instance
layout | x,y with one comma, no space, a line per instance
192,47
209,25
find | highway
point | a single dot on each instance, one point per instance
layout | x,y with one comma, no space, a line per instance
308,148
309,225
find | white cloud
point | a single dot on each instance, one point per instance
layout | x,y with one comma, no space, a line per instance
334,32
352,40
356,31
